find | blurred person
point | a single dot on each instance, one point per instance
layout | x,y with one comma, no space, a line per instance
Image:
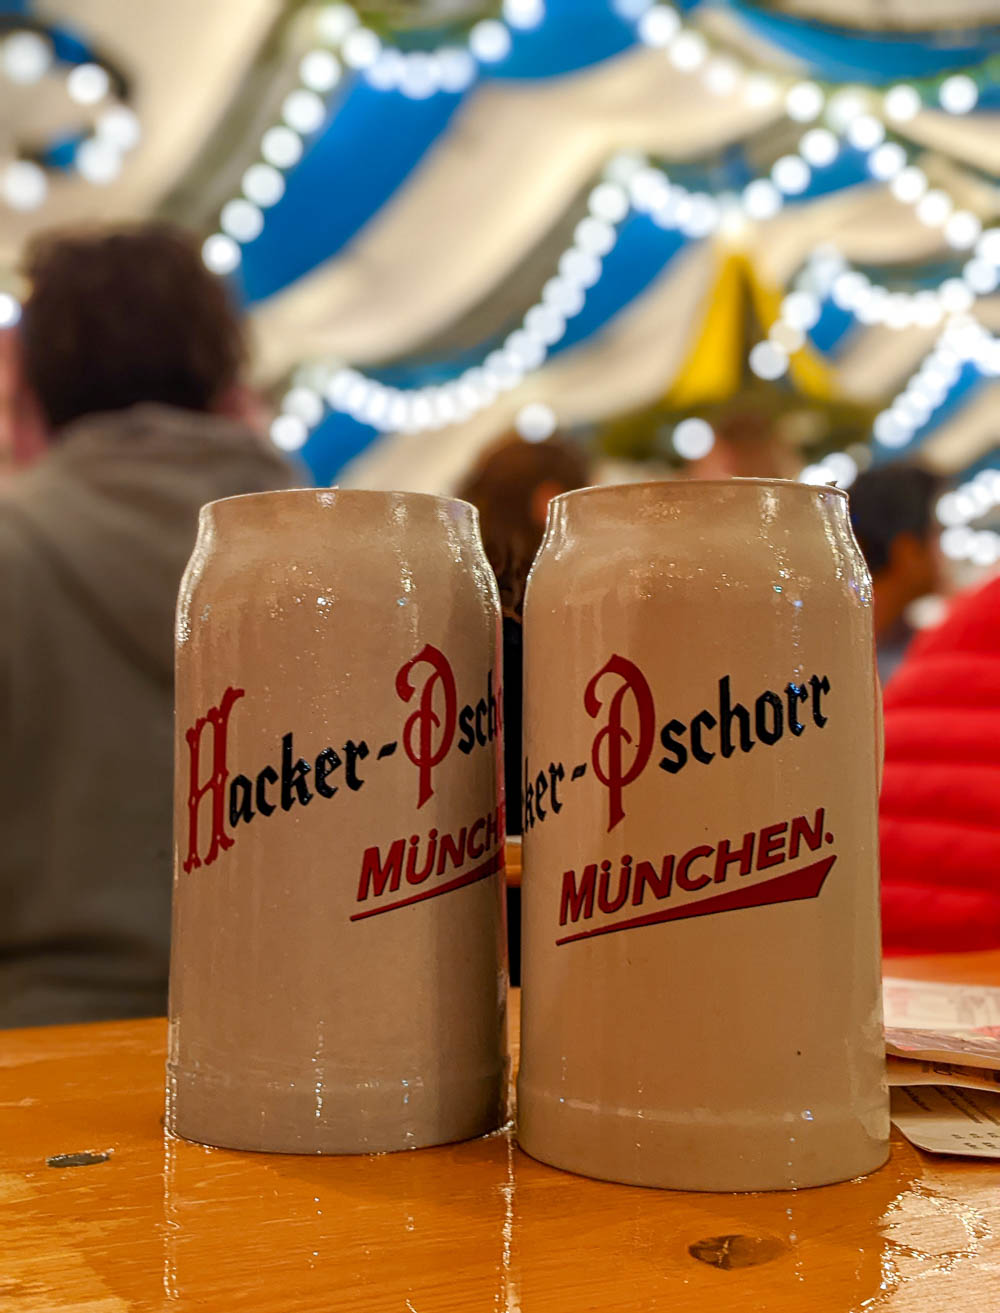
747,445
940,803
892,514
127,415
19,415
511,487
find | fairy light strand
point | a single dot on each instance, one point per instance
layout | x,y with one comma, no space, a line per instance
343,42
26,58
852,116
629,186
962,342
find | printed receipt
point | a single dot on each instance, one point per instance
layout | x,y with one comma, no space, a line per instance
945,1119
943,1062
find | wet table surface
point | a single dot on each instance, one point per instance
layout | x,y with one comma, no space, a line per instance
147,1222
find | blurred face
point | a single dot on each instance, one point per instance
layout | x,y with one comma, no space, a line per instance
23,437
541,497
917,565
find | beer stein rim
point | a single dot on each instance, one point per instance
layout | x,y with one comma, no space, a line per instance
328,510
330,496
694,485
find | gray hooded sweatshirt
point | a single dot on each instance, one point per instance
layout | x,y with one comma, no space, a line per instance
93,542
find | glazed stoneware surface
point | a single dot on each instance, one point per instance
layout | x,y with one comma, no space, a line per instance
147,1223
338,973
701,1004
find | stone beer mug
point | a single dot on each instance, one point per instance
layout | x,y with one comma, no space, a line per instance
338,968
701,1002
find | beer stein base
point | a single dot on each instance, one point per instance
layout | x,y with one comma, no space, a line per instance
723,1158
350,1121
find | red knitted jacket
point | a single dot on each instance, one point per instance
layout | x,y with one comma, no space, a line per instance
940,805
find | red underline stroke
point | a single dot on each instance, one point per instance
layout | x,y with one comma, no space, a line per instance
789,888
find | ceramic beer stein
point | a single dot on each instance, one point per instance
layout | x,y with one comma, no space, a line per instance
338,968
701,1003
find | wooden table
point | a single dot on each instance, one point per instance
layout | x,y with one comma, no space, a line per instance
156,1223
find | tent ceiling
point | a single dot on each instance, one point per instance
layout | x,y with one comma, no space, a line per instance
468,239
183,58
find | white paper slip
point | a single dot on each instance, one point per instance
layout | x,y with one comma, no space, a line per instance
935,1005
944,1119
904,1071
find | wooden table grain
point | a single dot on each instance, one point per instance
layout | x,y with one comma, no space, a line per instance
147,1222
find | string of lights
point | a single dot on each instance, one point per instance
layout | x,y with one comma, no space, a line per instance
958,510
343,42
27,56
827,276
724,73
630,185
854,116
833,119
391,409
963,341
978,546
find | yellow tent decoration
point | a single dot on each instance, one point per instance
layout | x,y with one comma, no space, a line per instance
714,369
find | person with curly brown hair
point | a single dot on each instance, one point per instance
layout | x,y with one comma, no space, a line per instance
128,415
511,487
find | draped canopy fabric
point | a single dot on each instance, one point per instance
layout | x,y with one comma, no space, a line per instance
415,232
495,174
